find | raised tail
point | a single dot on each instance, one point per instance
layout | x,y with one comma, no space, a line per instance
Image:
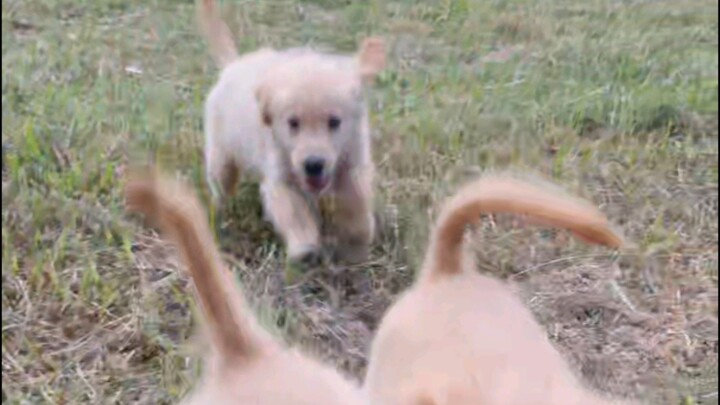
219,37
503,194
179,214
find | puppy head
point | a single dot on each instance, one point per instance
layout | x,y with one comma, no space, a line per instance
315,107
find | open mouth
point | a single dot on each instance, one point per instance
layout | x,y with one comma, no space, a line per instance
317,184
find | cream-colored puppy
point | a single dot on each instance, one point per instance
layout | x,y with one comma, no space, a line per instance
458,337
247,366
298,119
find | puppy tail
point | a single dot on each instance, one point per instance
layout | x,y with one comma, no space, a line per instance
507,195
222,46
179,214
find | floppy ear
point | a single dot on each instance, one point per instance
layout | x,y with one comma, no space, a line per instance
263,98
371,58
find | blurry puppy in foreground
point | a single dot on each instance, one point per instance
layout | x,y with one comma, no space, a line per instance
458,337
298,120
247,366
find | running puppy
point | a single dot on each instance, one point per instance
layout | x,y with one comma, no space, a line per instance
247,365
298,119
458,337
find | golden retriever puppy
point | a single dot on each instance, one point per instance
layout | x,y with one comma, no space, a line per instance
247,365
458,337
297,118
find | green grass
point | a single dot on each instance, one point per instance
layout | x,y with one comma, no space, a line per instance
616,101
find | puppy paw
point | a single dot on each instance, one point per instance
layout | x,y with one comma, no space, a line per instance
300,261
304,257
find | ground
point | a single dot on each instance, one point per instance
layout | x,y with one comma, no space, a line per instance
614,100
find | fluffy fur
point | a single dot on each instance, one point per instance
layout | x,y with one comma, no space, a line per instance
247,366
458,337
296,118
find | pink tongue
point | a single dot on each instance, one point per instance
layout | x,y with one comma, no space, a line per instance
316,183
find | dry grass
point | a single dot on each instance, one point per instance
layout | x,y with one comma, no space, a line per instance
616,101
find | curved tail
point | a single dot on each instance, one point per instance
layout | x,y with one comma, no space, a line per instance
507,195
179,214
219,37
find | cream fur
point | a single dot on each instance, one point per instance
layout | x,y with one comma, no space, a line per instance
248,116
247,366
459,337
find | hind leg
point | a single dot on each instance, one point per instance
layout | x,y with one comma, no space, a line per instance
222,174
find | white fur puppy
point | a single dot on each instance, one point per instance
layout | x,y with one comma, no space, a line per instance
298,119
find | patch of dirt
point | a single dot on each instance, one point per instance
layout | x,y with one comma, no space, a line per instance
621,340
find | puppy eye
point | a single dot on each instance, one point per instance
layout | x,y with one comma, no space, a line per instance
294,123
333,122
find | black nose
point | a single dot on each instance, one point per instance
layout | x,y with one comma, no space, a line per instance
314,166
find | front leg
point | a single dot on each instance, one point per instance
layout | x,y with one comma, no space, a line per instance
353,218
293,219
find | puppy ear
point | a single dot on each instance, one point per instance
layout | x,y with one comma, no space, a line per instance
371,58
263,98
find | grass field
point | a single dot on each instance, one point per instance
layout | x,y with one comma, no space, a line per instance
614,100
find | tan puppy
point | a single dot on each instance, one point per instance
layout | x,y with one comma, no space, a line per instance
298,119
247,366
458,337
